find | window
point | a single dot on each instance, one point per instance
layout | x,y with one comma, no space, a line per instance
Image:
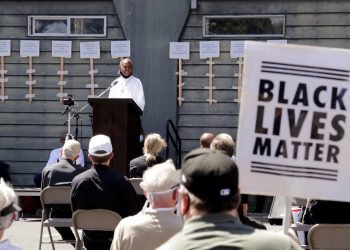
93,26
244,26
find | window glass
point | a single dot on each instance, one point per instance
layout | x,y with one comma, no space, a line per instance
87,26
244,26
67,26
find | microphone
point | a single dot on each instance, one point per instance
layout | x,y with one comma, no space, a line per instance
115,82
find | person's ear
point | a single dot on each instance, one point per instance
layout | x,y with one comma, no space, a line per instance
175,195
90,157
184,203
111,156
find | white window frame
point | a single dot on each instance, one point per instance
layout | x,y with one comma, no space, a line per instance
205,28
32,19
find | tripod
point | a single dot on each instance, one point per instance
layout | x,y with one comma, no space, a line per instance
68,109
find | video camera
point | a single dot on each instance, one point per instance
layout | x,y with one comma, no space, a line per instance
69,101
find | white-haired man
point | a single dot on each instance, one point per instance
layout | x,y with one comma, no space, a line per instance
8,208
62,173
154,224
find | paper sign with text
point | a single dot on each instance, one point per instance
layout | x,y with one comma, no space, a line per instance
29,48
208,49
5,47
179,50
294,121
62,49
236,49
120,49
90,50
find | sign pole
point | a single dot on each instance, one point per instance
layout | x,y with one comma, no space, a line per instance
287,214
180,73
30,79
240,74
61,83
2,79
210,77
92,79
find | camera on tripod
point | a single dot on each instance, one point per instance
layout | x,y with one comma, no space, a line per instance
69,101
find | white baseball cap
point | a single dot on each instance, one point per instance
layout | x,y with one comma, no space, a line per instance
100,145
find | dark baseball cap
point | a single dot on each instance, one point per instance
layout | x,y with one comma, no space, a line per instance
209,174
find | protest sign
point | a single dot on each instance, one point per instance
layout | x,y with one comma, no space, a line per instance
294,133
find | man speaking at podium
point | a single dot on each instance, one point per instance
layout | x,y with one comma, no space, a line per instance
127,85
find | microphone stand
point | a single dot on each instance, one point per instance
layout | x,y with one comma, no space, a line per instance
83,108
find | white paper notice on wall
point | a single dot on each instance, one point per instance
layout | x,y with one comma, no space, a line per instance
90,49
237,49
208,49
120,49
29,48
62,49
294,134
5,47
179,50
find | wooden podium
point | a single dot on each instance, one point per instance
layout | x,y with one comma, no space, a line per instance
120,120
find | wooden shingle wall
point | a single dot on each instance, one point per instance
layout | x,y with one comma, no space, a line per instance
320,23
29,131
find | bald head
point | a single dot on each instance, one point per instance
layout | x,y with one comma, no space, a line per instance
206,139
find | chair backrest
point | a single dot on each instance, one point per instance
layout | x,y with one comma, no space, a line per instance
95,219
55,195
329,236
135,182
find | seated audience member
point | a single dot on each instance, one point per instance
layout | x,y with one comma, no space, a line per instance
205,140
331,212
62,173
153,145
100,187
155,224
225,143
55,156
209,195
8,209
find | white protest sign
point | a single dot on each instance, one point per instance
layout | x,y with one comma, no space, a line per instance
294,133
209,49
29,48
120,49
62,49
179,50
90,50
5,47
237,49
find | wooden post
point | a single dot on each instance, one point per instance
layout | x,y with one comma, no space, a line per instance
3,79
61,82
239,81
210,87
30,81
92,79
180,74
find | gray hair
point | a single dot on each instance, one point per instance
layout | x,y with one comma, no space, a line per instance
225,143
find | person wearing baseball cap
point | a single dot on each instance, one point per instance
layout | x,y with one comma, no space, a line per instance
209,195
100,187
8,209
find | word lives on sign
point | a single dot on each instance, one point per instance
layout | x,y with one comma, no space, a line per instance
294,134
